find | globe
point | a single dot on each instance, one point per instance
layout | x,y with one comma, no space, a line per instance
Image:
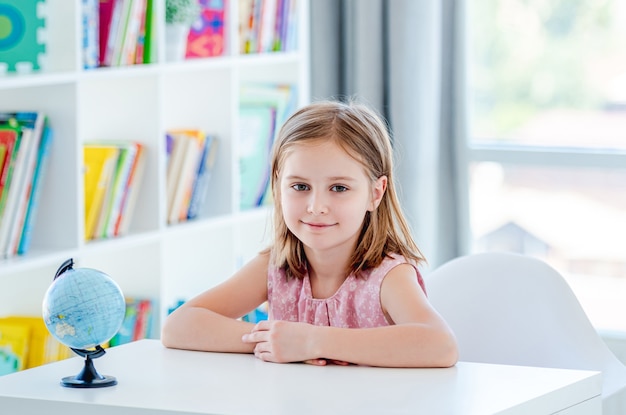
83,308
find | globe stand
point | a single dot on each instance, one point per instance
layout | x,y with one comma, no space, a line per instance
89,376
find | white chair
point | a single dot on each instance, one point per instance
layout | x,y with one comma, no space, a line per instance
513,309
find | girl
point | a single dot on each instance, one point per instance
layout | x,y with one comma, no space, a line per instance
341,277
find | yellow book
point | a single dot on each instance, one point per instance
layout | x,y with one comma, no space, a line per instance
99,164
42,347
14,342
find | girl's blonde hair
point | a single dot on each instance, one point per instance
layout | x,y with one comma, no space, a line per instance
361,132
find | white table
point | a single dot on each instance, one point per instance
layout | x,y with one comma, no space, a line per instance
155,380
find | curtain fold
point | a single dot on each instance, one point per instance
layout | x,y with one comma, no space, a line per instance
399,56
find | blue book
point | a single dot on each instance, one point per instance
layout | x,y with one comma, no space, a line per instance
200,186
42,161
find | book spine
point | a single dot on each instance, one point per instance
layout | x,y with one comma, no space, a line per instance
43,156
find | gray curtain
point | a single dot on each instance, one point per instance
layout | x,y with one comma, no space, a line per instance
399,56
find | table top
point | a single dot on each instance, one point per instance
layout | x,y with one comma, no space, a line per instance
155,380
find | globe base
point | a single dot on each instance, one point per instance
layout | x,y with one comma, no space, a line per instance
101,382
89,376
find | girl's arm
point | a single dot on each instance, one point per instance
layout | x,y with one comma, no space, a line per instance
419,337
209,321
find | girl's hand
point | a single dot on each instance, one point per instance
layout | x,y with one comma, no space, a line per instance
282,341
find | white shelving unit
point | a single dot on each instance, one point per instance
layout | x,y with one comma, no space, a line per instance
140,103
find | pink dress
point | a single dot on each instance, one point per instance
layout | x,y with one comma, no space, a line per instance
356,304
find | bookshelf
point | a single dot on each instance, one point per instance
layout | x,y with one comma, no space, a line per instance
141,102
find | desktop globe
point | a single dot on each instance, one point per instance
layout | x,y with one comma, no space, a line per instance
84,308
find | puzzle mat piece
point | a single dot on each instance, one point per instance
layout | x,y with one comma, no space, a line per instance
22,35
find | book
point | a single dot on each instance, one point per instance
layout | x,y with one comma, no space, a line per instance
90,33
36,122
141,34
120,34
105,18
174,168
110,211
99,162
263,108
192,142
150,36
137,322
128,46
14,338
22,38
267,28
31,127
43,348
256,132
36,190
203,176
246,8
131,192
207,33
8,138
115,26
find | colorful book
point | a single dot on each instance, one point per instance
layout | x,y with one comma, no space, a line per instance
90,45
131,192
99,164
120,35
137,322
207,34
203,176
14,343
141,34
8,139
115,27
110,212
24,129
34,123
36,188
267,22
131,34
192,143
22,38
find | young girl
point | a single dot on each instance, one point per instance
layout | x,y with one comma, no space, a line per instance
341,277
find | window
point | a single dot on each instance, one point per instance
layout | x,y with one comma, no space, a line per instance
547,140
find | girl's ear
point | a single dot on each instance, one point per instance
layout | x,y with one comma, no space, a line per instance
378,191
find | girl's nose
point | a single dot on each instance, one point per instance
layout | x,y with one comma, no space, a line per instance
317,204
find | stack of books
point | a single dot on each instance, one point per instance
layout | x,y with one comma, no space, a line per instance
25,342
118,32
113,172
191,154
267,25
137,323
25,139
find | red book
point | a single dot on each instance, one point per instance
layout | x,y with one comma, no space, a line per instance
7,140
206,36
105,12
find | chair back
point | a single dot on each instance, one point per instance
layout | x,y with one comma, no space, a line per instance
513,309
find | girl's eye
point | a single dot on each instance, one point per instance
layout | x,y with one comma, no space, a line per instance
300,187
339,188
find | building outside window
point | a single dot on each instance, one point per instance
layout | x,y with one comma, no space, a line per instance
546,148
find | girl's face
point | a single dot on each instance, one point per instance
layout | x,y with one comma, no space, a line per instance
325,194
